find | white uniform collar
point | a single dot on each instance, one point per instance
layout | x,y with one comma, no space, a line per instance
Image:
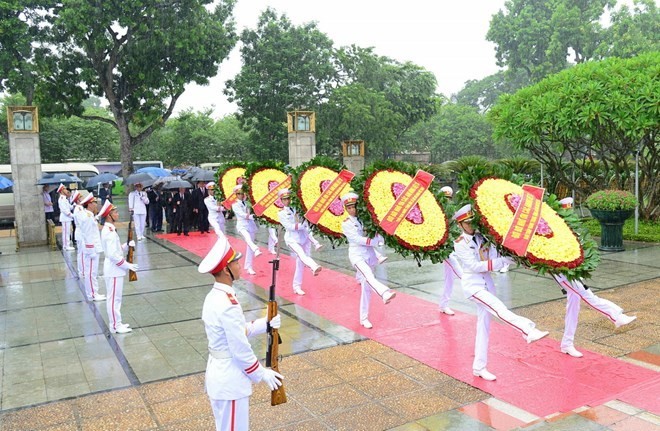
107,223
224,287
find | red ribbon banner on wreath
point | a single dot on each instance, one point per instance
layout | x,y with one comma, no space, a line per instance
227,203
328,196
525,220
270,197
406,201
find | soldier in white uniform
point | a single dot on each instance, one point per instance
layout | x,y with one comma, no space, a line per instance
247,227
576,291
363,257
452,269
77,210
137,205
272,240
297,239
477,259
115,267
232,366
216,211
91,240
66,216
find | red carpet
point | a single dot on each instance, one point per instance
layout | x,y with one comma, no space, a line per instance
537,378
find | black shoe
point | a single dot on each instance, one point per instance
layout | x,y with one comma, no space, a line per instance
185,234
179,234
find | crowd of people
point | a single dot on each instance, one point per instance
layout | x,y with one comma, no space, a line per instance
233,366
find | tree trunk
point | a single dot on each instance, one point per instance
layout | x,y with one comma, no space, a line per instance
125,148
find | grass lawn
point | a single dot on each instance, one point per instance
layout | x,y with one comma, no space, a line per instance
647,231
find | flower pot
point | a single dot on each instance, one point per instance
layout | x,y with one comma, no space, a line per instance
611,228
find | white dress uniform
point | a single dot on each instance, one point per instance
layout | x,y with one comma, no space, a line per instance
137,202
232,365
272,240
91,240
216,215
453,271
78,211
66,216
477,260
296,237
115,268
247,227
362,256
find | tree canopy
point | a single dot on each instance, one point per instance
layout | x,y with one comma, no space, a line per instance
593,117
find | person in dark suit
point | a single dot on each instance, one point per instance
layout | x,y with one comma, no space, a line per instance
168,204
105,193
201,213
156,209
182,206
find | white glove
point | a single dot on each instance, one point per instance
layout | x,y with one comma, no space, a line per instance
272,378
131,243
275,322
509,261
132,267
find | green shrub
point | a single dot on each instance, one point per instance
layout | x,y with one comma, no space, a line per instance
611,200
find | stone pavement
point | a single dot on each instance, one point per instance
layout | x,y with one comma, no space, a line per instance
63,370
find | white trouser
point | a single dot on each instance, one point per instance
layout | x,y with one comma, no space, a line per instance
80,259
272,239
91,264
231,415
302,259
368,281
139,220
114,286
575,291
314,241
218,225
249,238
452,272
66,234
487,304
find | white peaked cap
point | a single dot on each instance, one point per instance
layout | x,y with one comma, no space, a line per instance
218,257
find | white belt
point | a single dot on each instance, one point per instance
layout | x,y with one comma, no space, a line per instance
219,354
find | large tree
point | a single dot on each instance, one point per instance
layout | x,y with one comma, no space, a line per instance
285,68
593,117
138,55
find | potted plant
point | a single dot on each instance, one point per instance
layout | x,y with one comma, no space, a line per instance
611,208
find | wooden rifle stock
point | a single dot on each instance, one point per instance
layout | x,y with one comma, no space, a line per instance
132,275
278,396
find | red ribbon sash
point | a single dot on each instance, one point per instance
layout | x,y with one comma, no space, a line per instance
406,201
525,220
227,203
270,197
328,196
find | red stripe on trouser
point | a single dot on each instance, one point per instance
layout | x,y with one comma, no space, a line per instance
367,281
91,285
233,415
498,314
569,286
114,293
453,269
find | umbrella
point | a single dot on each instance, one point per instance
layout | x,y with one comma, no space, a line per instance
164,180
179,171
191,172
57,178
177,184
5,183
155,171
203,175
105,177
142,177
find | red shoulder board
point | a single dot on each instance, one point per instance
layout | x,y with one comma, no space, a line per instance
460,238
232,298
110,229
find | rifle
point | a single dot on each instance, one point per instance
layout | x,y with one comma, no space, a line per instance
132,275
278,396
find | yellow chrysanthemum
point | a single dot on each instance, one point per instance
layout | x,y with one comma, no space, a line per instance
429,232
229,180
562,248
310,184
263,181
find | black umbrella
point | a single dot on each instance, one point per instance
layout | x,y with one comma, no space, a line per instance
203,175
140,178
105,177
191,172
177,184
57,178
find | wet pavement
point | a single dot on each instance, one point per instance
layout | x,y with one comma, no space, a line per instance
62,369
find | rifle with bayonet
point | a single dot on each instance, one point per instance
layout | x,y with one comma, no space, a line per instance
278,396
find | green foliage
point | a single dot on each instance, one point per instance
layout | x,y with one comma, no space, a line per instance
648,231
633,31
597,114
285,67
611,200
483,94
74,138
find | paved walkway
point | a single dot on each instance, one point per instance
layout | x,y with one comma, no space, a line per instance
62,369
